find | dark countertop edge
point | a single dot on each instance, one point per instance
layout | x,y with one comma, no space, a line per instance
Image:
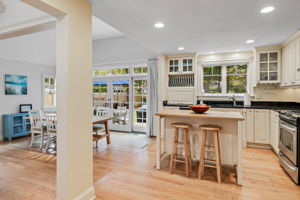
255,105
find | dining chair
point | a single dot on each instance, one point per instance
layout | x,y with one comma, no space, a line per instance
36,126
99,129
51,122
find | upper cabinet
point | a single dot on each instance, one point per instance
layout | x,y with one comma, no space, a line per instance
180,65
174,65
268,63
291,63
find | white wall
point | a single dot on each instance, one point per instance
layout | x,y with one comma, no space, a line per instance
35,48
10,103
118,49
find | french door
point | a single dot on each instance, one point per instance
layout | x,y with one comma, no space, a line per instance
124,98
139,104
113,95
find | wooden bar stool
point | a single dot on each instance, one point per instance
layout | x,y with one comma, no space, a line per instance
185,144
212,129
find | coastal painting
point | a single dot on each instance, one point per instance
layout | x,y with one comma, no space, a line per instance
15,84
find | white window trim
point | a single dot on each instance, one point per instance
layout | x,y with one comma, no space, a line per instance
224,79
129,67
43,87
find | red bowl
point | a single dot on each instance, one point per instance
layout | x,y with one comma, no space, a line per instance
200,108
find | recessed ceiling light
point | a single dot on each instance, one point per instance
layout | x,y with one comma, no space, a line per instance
249,41
159,25
180,48
267,9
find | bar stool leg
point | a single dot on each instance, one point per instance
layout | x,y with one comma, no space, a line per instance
202,154
218,163
186,153
189,151
218,134
174,150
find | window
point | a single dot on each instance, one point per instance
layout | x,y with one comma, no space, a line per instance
140,70
212,79
236,79
225,79
49,91
109,72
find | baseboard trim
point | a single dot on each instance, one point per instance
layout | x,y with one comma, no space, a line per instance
88,194
259,146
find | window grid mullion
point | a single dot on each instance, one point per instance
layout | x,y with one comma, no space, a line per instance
224,80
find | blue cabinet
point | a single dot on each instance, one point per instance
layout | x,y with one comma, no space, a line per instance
15,125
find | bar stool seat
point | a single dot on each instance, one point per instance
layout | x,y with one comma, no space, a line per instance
185,144
215,130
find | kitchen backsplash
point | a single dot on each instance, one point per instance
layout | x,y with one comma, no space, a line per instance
273,93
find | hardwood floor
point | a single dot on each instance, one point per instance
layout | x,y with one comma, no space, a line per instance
124,170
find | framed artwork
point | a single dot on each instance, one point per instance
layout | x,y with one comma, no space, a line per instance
25,108
15,84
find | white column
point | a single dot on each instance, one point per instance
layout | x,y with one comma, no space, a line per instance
74,96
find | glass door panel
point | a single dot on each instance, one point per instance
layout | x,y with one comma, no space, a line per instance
121,107
140,105
101,97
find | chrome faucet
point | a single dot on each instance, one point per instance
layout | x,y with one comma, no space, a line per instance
233,98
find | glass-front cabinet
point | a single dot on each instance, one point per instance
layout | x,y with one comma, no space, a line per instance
180,65
269,67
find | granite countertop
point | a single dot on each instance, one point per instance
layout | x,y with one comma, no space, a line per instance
254,105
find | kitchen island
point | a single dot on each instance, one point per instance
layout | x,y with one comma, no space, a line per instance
231,138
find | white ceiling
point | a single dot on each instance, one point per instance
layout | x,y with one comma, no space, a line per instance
18,14
201,25
102,30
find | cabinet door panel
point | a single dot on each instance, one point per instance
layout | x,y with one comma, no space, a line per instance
250,125
297,78
291,64
262,126
274,131
284,66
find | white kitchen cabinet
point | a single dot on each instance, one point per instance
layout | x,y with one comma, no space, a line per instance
181,65
269,66
262,126
181,96
274,131
291,64
174,66
250,125
297,70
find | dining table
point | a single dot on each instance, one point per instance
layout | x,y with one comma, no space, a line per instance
102,120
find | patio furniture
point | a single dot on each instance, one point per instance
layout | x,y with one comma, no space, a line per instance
120,115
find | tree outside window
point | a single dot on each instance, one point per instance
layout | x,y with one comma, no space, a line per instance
225,79
212,79
237,79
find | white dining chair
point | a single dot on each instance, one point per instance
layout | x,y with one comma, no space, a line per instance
51,122
99,129
36,126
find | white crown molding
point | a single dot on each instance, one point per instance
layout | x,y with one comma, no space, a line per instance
291,39
27,23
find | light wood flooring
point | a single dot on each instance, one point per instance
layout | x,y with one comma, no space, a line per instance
124,170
